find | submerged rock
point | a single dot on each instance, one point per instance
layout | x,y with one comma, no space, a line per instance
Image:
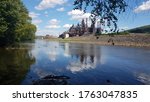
52,80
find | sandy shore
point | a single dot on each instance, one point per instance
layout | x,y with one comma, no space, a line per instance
139,40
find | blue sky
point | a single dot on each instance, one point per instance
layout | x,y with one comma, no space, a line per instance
55,16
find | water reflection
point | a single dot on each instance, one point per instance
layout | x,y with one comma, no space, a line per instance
83,64
53,53
52,80
83,56
44,49
143,77
14,65
66,50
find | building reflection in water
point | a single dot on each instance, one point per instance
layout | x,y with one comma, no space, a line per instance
66,50
51,50
83,56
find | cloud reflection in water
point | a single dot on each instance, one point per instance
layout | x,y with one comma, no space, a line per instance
144,78
86,56
79,66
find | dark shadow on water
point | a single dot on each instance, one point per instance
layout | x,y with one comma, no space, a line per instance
52,80
14,65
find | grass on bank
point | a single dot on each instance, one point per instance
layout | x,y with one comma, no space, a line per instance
139,40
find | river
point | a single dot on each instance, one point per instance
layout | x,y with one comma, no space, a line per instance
74,64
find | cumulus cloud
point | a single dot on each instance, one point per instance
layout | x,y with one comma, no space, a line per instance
67,25
53,26
45,31
33,15
61,9
78,14
37,21
53,23
144,7
45,4
75,12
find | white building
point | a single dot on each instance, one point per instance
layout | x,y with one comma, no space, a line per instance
66,35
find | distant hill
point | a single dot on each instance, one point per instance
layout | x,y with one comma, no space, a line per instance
143,29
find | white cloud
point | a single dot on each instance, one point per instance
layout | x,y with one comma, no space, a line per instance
144,7
53,26
53,23
78,14
45,4
61,9
54,32
75,12
33,15
67,25
36,21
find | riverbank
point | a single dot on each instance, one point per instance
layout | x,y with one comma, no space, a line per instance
138,40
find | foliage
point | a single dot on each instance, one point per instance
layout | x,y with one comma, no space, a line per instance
120,33
83,26
78,29
143,29
15,23
105,10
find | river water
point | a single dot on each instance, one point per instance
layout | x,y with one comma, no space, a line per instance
75,64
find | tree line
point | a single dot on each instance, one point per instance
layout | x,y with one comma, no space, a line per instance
82,28
15,23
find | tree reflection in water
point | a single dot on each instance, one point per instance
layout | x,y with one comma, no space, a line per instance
86,56
14,65
57,63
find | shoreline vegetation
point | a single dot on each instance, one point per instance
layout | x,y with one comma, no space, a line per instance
136,40
15,23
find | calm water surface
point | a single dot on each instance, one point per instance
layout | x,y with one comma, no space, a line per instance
83,64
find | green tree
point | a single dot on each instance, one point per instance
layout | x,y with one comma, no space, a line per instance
15,23
105,10
78,29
